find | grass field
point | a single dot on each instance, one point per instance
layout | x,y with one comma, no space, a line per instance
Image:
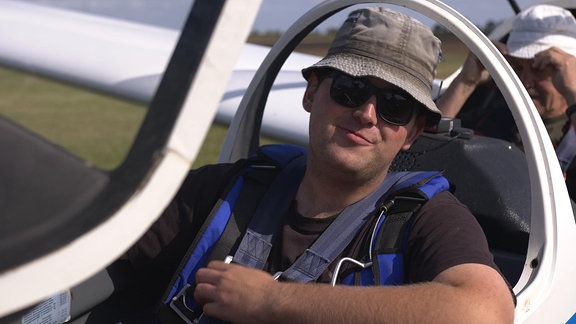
100,129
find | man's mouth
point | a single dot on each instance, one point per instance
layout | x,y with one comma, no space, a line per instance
357,136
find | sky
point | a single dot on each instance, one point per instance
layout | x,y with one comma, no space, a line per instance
274,15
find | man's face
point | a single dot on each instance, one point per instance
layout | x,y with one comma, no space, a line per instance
354,140
538,82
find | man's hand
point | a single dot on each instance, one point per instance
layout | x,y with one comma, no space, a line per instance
232,292
473,73
564,71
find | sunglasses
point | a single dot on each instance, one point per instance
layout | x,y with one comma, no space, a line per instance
393,106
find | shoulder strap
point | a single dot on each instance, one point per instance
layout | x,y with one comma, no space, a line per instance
274,158
314,261
385,262
256,243
387,242
174,306
228,219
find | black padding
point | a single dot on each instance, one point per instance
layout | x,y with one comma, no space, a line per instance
490,176
42,188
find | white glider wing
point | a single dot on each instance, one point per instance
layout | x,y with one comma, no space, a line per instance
127,60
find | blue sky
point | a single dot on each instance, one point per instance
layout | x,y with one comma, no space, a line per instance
273,15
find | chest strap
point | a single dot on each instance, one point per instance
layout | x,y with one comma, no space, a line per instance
257,242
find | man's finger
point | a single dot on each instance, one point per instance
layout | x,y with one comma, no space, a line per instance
204,293
208,275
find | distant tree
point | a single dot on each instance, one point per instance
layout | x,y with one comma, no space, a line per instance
440,30
487,29
331,32
490,26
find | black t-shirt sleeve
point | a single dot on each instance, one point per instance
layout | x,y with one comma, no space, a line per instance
444,234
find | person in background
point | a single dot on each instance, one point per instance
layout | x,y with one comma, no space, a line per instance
541,48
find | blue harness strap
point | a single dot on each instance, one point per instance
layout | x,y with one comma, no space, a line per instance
220,230
204,245
385,263
314,261
257,241
220,233
266,222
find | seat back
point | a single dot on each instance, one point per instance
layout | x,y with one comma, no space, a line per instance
491,177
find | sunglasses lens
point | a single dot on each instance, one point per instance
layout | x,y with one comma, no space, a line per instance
395,108
349,92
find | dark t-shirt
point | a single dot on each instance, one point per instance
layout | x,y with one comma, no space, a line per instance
444,234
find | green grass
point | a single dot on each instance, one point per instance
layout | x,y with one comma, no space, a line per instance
94,127
98,128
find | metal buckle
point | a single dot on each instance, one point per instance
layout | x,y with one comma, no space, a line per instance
178,305
277,275
339,264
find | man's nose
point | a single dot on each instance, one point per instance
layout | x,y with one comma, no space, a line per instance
366,112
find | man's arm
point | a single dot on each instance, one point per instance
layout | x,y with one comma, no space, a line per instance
463,293
470,76
452,100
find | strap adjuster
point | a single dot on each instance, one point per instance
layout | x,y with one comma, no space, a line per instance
178,305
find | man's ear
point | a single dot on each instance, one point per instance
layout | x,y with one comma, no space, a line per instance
311,88
414,131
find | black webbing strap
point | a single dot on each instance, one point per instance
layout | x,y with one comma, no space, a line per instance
314,261
256,183
390,236
164,312
256,243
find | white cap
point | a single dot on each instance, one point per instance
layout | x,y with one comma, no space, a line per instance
540,27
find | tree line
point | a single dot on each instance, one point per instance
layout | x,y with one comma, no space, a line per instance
329,33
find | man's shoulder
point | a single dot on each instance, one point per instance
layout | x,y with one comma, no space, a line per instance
444,197
447,206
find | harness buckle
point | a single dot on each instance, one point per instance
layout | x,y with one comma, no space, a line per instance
178,305
339,264
277,275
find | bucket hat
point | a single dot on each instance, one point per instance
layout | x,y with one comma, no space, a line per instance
388,45
540,27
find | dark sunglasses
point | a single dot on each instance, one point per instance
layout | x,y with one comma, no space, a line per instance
393,106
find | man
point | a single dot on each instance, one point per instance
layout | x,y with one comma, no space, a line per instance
369,98
541,49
